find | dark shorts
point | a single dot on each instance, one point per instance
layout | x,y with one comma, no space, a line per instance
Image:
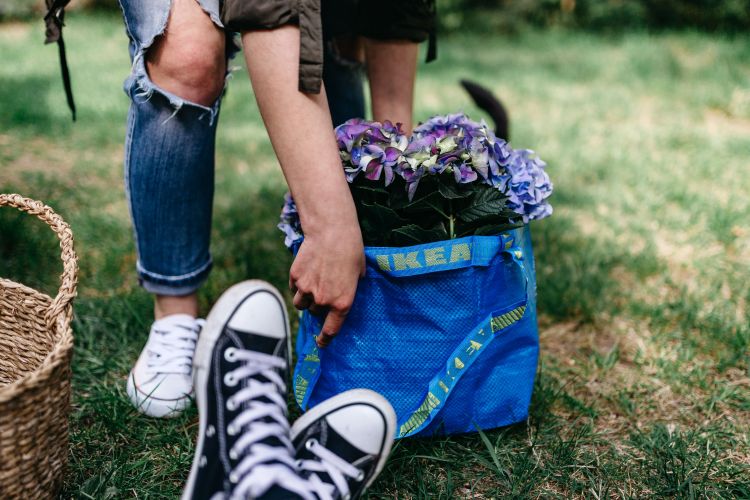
382,19
412,20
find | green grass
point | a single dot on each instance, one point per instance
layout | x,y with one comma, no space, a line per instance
644,269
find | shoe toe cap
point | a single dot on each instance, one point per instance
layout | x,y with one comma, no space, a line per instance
362,425
262,313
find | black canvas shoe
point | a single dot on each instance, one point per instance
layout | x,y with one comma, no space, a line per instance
240,371
343,443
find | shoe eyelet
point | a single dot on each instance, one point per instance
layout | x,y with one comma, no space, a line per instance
360,476
310,443
347,497
230,354
231,430
233,454
230,380
210,430
233,478
298,463
231,406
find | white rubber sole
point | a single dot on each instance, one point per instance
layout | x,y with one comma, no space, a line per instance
152,407
352,397
215,322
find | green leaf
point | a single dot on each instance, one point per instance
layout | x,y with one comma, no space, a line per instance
370,234
367,191
502,221
372,189
433,202
380,217
450,190
428,186
488,201
412,234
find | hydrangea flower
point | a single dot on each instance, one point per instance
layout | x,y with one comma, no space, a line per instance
370,147
527,186
471,146
443,144
289,223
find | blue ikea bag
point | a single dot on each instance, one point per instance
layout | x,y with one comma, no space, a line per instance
445,331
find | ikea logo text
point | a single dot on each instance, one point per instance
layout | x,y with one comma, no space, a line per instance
428,257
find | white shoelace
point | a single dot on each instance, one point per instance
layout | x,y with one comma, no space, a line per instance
171,347
333,465
260,465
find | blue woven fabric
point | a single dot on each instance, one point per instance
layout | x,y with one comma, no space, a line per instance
446,331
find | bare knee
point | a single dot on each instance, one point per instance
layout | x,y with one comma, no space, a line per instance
189,59
190,71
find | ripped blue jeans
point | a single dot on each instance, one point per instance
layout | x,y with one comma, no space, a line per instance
169,156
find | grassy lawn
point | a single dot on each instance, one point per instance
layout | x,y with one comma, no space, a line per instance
644,269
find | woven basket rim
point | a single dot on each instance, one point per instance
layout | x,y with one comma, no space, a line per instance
60,311
56,355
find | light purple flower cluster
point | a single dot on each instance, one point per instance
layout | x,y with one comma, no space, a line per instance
289,223
370,147
451,143
527,185
455,143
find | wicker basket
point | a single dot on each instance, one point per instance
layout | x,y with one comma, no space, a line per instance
36,344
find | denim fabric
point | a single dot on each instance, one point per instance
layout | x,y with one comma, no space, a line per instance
343,80
169,157
169,163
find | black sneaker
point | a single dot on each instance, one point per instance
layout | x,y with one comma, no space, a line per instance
343,443
240,372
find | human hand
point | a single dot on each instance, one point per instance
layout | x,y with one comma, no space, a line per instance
325,274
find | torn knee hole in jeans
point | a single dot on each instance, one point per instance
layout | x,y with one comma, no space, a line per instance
142,88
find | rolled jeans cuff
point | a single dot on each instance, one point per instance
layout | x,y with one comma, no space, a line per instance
174,286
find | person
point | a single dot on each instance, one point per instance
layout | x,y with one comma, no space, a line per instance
246,448
179,52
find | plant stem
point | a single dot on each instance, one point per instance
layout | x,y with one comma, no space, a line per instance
451,220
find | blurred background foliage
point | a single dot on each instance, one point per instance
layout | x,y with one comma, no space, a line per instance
597,15
511,15
24,9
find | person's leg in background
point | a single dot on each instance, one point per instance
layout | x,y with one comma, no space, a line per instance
392,31
391,67
176,83
343,61
392,71
343,77
361,34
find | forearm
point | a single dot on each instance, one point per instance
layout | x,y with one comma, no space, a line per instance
300,129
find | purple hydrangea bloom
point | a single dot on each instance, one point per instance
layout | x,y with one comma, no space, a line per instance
527,186
290,224
450,125
467,147
370,147
464,173
348,132
451,144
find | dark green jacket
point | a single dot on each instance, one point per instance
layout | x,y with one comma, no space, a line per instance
381,19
